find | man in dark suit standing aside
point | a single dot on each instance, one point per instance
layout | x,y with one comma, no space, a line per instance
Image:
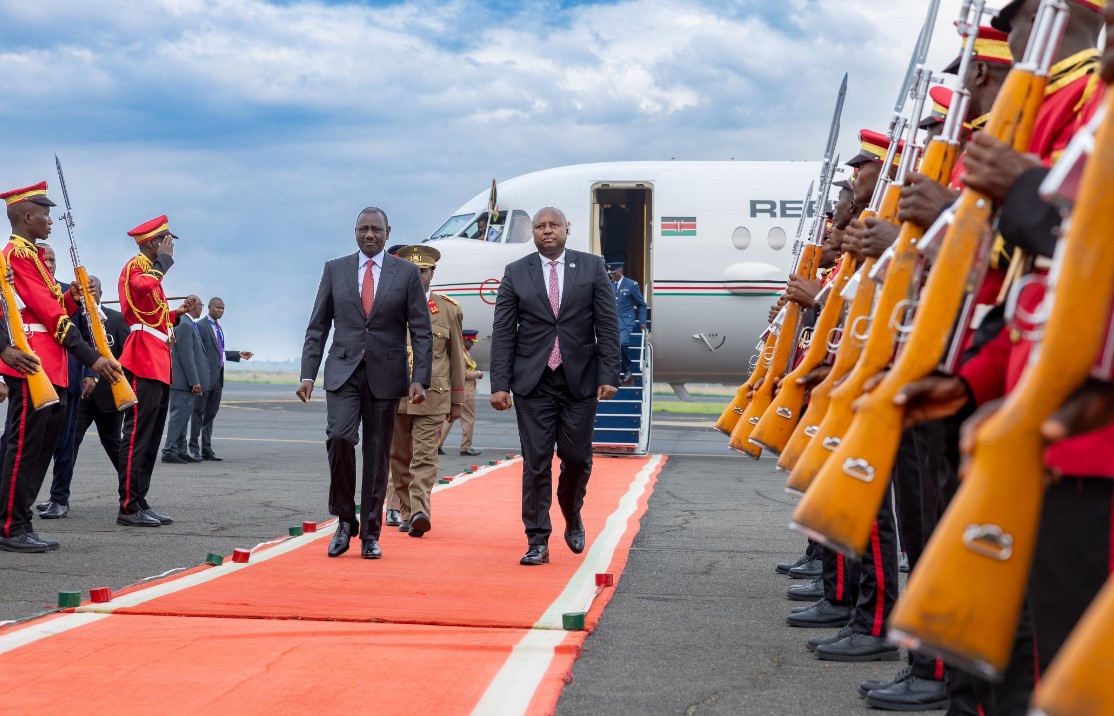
206,407
189,372
370,300
555,343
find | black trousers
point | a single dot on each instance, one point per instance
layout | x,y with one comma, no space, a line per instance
550,415
31,436
110,423
878,574
347,408
64,454
204,413
841,577
139,445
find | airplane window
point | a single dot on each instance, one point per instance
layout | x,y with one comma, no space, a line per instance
776,238
521,231
480,230
741,237
451,227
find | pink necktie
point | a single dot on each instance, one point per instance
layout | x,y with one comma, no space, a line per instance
555,303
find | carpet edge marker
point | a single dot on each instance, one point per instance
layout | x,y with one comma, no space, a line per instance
581,589
286,545
30,634
516,682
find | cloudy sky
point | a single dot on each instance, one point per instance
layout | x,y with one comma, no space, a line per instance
262,127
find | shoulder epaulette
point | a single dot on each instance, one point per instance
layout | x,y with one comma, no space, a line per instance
450,300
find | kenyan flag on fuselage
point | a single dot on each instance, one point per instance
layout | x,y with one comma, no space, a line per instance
678,226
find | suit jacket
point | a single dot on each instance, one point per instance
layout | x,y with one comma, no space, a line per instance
212,353
446,387
400,307
629,303
117,332
524,328
188,366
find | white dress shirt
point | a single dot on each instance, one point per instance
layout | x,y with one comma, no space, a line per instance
546,268
376,270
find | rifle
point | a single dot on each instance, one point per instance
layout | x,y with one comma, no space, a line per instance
808,263
122,393
990,530
734,411
883,204
840,507
39,387
1078,681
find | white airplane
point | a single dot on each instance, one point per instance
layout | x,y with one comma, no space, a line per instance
710,243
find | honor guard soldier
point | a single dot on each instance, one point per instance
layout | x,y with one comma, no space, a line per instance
146,361
32,434
418,427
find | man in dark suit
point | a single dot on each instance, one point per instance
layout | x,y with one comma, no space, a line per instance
370,300
555,343
189,372
206,407
99,407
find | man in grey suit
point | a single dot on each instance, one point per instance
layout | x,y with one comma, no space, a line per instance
370,300
208,403
189,373
555,343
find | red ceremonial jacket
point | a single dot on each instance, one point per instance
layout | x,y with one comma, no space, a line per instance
46,305
1073,95
143,303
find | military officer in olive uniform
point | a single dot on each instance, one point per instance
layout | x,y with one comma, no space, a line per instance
418,427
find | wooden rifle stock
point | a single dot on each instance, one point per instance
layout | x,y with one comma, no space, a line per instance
779,364
734,411
41,392
1078,681
777,424
990,529
840,508
122,393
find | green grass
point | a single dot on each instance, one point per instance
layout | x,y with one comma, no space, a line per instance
676,406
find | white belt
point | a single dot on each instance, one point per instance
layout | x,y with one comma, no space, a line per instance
147,329
30,328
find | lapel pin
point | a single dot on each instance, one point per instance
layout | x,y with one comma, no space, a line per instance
572,265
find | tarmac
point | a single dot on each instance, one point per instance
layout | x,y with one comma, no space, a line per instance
697,623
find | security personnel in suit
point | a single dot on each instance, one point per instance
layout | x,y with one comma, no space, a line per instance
630,304
189,371
417,432
146,361
472,373
205,411
33,434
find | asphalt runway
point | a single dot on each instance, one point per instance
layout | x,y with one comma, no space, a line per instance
697,622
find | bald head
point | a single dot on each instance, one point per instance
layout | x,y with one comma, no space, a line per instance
551,230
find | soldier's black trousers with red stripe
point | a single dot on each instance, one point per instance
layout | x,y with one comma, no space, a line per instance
139,448
31,436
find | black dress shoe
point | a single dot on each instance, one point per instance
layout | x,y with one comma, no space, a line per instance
338,545
537,554
55,511
574,534
136,519
26,542
404,526
188,457
910,694
786,566
419,524
815,641
821,614
807,592
808,570
174,459
440,451
369,548
471,452
50,543
872,684
859,647
43,505
211,456
163,519
394,519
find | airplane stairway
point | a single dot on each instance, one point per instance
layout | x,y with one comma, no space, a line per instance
623,423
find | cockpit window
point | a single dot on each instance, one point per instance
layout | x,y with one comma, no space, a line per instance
451,227
483,230
521,231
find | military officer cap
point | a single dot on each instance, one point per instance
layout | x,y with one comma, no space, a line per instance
873,147
393,251
159,226
614,266
991,45
420,255
35,194
941,102
470,333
